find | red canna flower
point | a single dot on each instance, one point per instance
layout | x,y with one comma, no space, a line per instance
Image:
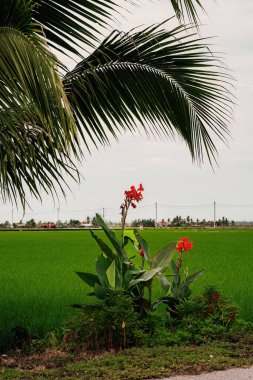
131,197
184,245
215,297
211,310
141,252
134,195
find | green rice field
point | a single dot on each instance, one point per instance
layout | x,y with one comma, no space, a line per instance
38,281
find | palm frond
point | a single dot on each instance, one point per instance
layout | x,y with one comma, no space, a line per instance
29,163
73,26
166,80
35,115
187,8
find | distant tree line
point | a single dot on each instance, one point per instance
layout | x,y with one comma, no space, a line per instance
179,221
143,222
31,223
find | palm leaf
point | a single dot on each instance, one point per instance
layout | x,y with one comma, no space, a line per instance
37,128
69,25
168,81
187,7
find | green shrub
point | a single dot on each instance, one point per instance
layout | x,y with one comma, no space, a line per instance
111,324
206,317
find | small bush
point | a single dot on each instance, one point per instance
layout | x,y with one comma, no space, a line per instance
206,317
112,324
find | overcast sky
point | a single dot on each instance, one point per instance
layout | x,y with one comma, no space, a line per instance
165,167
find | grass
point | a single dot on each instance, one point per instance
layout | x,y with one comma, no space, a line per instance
132,364
38,281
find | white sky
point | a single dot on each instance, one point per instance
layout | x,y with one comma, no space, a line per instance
165,167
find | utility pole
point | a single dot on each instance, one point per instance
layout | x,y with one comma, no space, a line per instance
156,214
214,214
58,213
12,216
103,213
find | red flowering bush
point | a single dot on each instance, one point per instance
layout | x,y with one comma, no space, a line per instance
219,307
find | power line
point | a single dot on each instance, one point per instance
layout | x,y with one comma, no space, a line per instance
189,206
238,206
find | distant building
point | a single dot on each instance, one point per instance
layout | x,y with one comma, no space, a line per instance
162,224
18,225
47,225
85,225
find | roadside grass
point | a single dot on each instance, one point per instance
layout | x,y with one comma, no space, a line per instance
134,364
38,281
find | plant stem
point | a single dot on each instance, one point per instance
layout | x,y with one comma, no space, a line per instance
179,262
123,219
150,292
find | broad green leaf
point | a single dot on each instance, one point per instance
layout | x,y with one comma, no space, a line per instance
184,290
162,300
89,278
173,267
130,236
137,271
111,274
144,246
194,276
110,234
176,281
104,247
148,275
102,265
128,239
101,292
163,257
127,278
164,282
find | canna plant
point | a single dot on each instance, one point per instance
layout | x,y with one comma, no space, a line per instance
157,265
115,270
179,289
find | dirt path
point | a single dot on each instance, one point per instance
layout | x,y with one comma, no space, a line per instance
230,374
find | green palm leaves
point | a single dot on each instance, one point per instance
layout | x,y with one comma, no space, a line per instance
163,81
36,121
73,26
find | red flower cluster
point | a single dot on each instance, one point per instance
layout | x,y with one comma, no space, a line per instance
141,252
184,245
215,297
134,195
